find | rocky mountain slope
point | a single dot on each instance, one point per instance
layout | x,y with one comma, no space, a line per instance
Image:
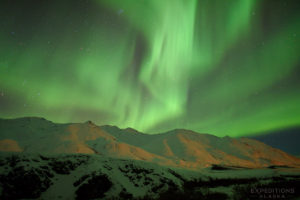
176,148
90,176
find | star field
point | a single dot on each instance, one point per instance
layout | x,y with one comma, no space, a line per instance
221,67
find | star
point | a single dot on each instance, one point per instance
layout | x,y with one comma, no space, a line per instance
120,11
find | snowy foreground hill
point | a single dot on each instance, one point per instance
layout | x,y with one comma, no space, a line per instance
43,160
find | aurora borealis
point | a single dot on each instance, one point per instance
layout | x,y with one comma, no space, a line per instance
221,67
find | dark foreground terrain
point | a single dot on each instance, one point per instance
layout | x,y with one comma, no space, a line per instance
79,176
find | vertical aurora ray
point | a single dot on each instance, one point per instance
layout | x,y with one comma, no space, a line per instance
222,67
169,32
176,48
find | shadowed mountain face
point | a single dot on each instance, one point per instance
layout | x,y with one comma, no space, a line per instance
178,148
83,176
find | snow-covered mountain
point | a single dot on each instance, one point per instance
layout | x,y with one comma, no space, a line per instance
176,148
90,176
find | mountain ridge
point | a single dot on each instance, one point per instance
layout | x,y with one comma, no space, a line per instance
178,148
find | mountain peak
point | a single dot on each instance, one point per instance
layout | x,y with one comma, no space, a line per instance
178,147
181,130
89,122
27,119
131,130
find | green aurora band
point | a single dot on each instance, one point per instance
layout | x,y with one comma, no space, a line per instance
221,67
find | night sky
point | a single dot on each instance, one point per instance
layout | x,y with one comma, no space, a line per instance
214,66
